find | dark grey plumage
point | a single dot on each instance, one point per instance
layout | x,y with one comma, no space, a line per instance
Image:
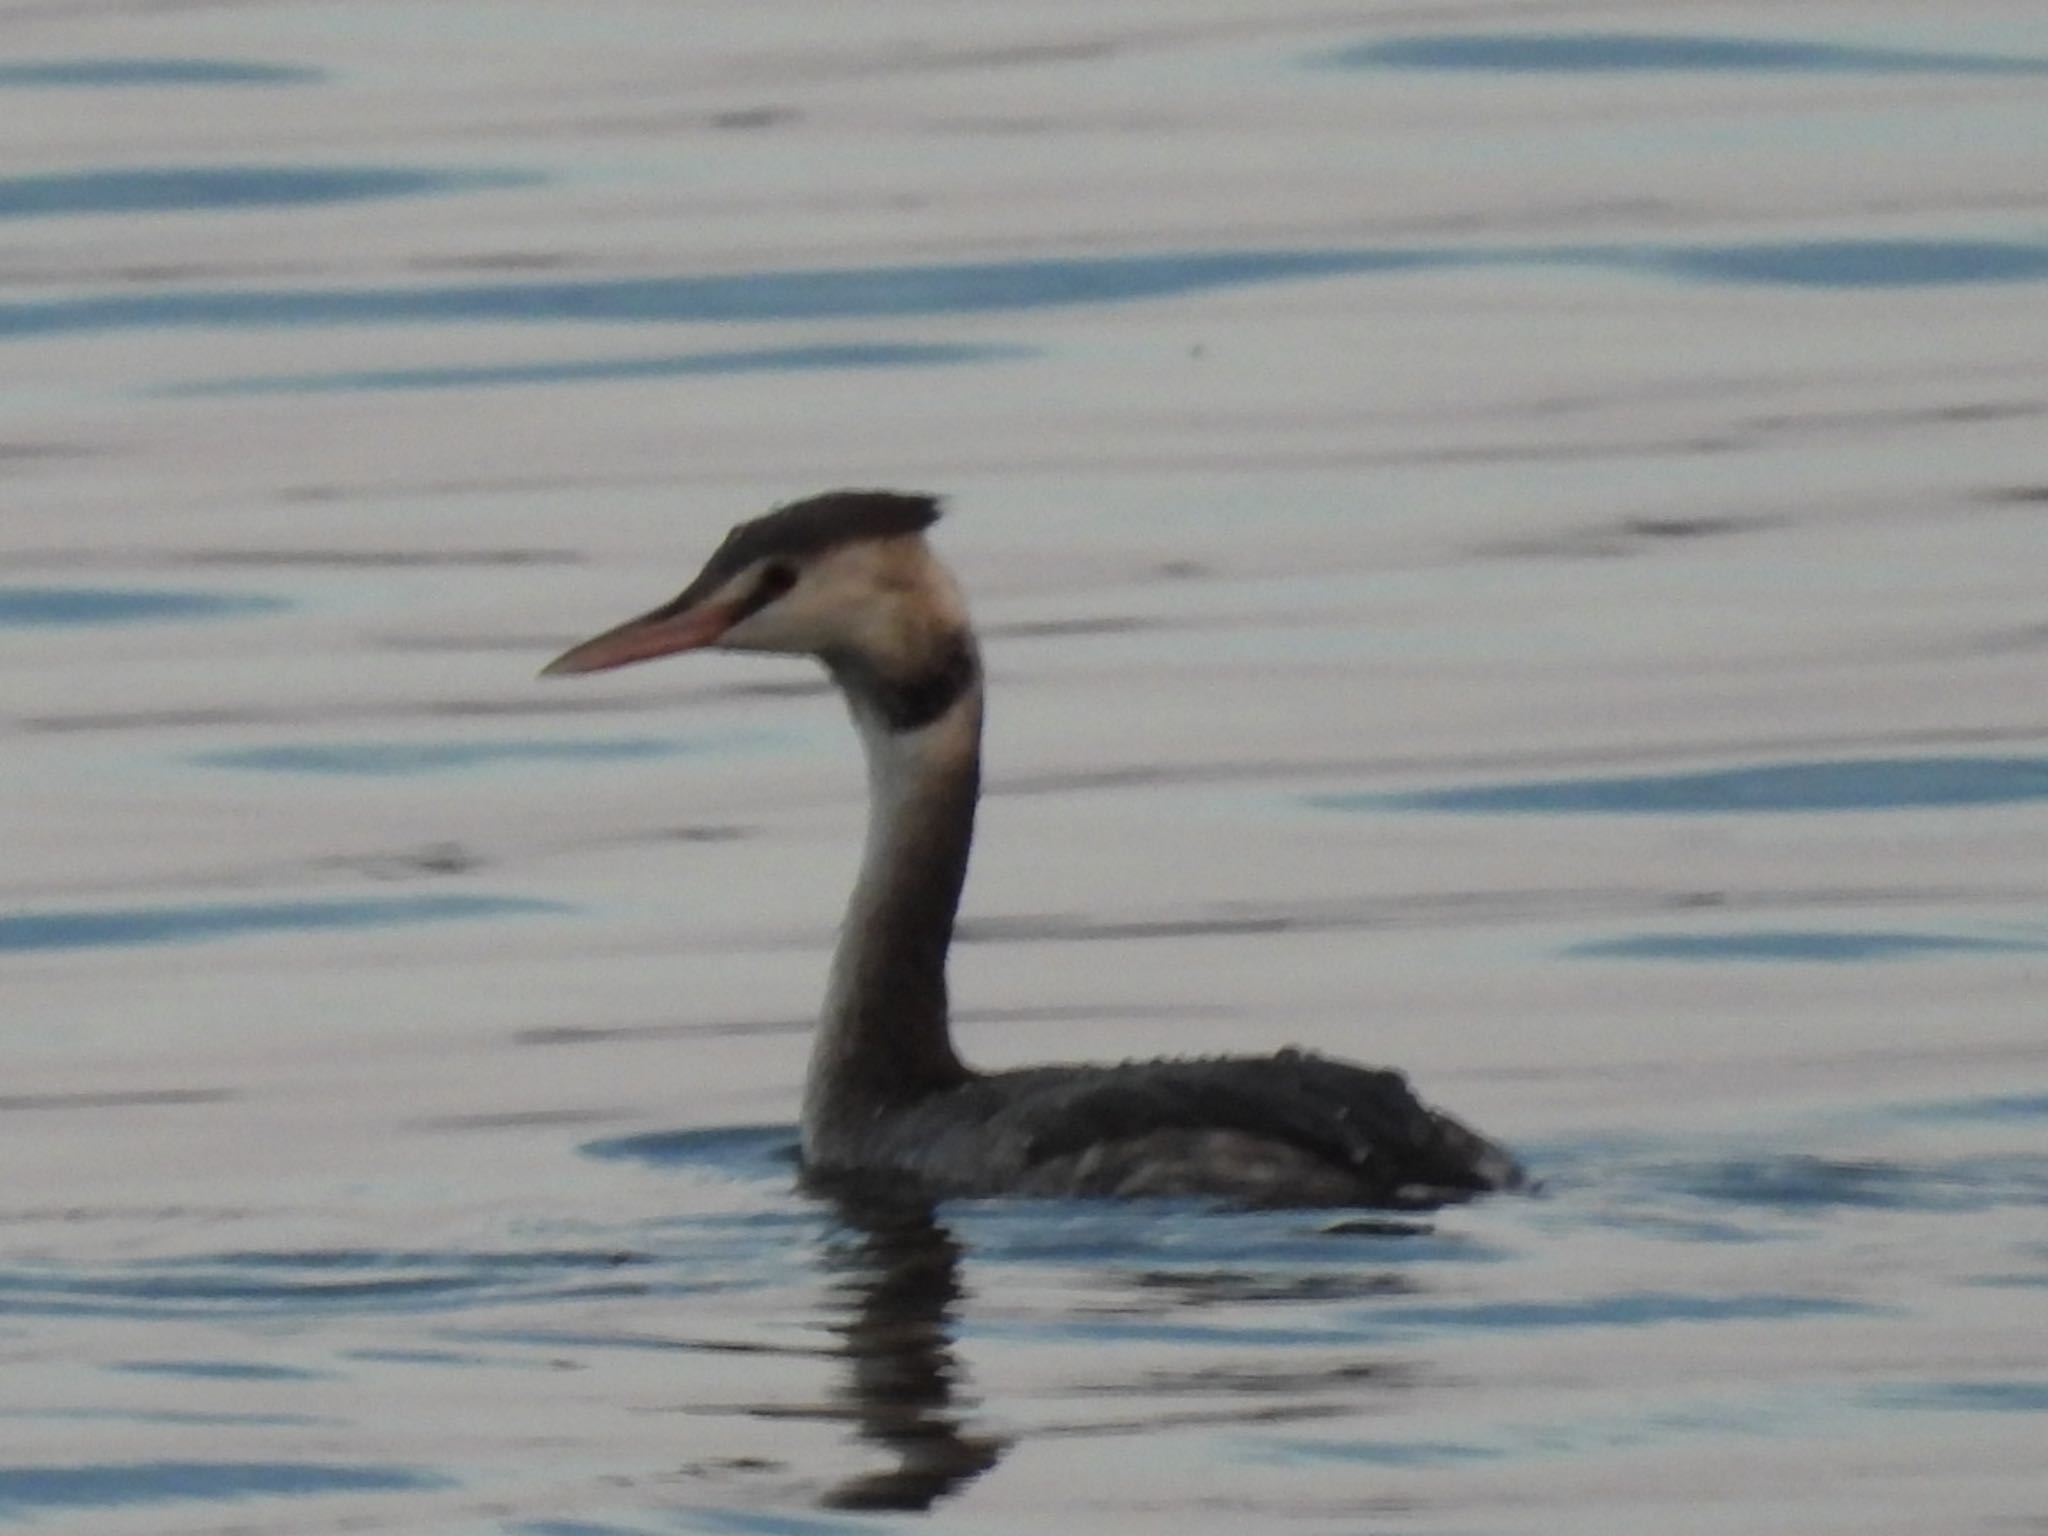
1293,1129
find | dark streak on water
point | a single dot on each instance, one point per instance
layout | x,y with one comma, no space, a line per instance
1376,1453
2013,1396
1868,784
1001,287
28,1491
1815,1185
109,927
116,73
178,189
133,1098
40,607
819,358
1830,946
219,1370
2017,1106
292,1283
1629,52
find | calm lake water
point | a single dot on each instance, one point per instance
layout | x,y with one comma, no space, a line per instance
1511,547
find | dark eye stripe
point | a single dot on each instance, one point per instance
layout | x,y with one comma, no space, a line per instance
775,580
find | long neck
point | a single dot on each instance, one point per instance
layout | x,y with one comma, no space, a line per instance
883,1040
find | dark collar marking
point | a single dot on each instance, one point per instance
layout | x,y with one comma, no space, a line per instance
910,704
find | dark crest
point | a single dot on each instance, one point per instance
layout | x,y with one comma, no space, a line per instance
803,528
819,522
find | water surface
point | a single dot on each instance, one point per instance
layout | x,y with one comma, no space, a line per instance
1513,554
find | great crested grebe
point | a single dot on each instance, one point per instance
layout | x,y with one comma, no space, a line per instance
847,577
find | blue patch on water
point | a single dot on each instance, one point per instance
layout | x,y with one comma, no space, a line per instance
467,1360
146,71
29,1491
1994,1107
177,189
218,1370
845,293
177,1416
402,759
1967,1396
820,358
117,926
1873,784
743,1151
1376,1453
745,1522
37,607
991,287
1607,52
1385,1321
1096,1329
1822,945
1854,263
1805,1184
1633,1309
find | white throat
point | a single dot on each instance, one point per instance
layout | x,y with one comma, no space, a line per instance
883,1039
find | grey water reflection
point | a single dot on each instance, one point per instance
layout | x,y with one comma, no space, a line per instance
1612,52
895,1275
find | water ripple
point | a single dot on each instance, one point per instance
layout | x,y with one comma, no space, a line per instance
1001,287
1827,946
169,189
1871,784
2016,1396
295,1282
1635,52
66,607
109,927
123,72
1809,1184
394,759
27,1491
820,358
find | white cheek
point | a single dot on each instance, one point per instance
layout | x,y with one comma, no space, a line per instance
797,622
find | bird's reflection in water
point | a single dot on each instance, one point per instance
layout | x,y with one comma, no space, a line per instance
897,1271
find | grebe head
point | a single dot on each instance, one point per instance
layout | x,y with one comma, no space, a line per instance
846,577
